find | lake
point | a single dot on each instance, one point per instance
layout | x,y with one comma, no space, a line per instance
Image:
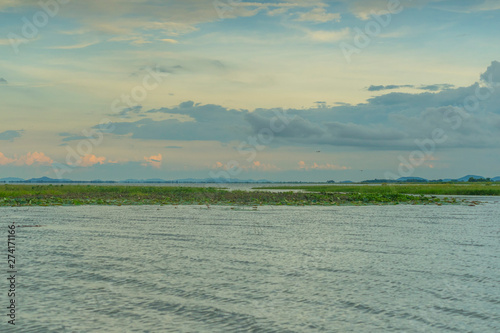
264,269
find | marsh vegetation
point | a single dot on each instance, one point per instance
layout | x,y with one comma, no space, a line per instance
420,189
50,195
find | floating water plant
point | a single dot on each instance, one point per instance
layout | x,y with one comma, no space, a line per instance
46,195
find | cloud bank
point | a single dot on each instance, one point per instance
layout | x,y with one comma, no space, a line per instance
35,158
390,121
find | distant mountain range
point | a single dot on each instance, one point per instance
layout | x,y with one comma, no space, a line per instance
11,179
466,178
47,180
412,179
130,181
423,180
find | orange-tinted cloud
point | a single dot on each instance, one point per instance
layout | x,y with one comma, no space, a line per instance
155,161
5,160
28,159
35,158
90,160
218,165
257,165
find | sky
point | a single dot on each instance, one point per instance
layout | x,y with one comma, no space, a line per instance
305,90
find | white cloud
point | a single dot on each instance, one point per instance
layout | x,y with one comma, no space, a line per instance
364,9
172,17
486,5
74,32
168,40
315,166
329,35
8,3
72,47
492,74
133,40
318,15
277,11
254,166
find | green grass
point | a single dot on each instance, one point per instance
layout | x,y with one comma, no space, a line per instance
422,189
51,195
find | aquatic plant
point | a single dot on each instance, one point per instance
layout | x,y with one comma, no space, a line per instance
425,189
47,195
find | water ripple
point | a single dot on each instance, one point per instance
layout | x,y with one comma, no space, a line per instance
269,269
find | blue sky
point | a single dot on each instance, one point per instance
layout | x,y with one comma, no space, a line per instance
282,90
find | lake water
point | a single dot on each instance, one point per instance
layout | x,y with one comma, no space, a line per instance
266,269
